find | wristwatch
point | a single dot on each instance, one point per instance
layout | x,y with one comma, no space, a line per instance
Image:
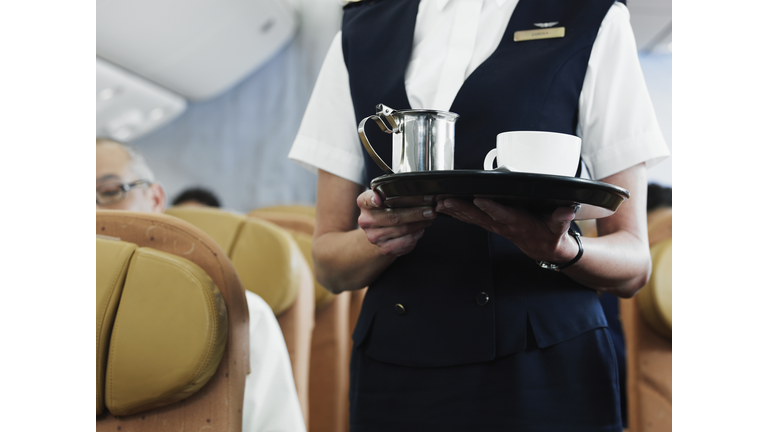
558,267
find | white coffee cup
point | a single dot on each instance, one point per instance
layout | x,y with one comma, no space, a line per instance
536,152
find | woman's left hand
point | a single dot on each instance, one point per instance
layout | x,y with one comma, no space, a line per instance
540,236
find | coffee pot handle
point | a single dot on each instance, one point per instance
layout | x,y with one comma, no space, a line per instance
371,152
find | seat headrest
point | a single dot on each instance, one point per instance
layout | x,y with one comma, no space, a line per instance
222,226
269,263
161,328
323,297
306,210
659,225
655,299
112,259
302,227
292,221
266,257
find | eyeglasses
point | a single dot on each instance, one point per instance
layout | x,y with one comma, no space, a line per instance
113,192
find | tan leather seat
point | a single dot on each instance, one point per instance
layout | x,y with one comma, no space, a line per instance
167,336
659,225
655,299
269,263
647,323
302,227
306,210
331,339
174,316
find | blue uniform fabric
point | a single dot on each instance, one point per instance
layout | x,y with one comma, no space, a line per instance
571,386
536,355
610,305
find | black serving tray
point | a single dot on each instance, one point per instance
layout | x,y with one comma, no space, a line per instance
535,192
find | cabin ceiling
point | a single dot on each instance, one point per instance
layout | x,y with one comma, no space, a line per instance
652,24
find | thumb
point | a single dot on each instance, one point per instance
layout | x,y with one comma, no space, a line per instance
369,200
561,219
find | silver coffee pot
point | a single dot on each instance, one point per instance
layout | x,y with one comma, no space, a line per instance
422,140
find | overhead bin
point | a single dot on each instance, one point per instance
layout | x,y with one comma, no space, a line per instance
195,48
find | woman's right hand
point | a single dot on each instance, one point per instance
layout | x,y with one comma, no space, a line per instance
395,231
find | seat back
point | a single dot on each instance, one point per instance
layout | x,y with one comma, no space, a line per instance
331,339
266,258
271,265
647,323
302,228
306,210
161,328
659,225
153,262
655,300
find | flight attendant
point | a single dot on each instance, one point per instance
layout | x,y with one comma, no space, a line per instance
488,319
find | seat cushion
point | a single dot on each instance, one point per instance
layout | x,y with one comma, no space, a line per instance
222,226
112,259
269,263
290,208
302,228
263,254
169,333
655,299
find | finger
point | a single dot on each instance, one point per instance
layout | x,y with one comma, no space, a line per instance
561,219
401,245
498,212
392,217
464,211
379,236
369,200
388,217
411,201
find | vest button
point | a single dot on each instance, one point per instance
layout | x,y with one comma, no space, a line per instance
400,309
482,298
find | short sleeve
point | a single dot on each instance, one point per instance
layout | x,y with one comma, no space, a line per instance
327,138
617,122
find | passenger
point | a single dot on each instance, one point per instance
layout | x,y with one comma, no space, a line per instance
125,182
464,325
197,197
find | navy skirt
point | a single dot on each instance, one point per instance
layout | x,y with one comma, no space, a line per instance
571,386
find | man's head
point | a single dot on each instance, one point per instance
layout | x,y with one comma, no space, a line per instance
198,197
124,181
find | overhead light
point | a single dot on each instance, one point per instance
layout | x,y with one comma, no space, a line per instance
106,94
123,133
128,106
156,114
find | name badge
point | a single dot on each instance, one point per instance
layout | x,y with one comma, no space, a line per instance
545,33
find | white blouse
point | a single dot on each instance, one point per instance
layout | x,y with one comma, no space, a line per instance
617,122
270,402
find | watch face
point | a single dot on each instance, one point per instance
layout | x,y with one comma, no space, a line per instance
547,265
557,267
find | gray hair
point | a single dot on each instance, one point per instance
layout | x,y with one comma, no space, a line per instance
137,163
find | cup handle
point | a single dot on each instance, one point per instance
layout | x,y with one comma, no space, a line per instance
488,164
371,152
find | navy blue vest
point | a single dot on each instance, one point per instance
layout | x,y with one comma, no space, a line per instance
532,85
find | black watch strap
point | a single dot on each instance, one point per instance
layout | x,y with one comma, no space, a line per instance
558,267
